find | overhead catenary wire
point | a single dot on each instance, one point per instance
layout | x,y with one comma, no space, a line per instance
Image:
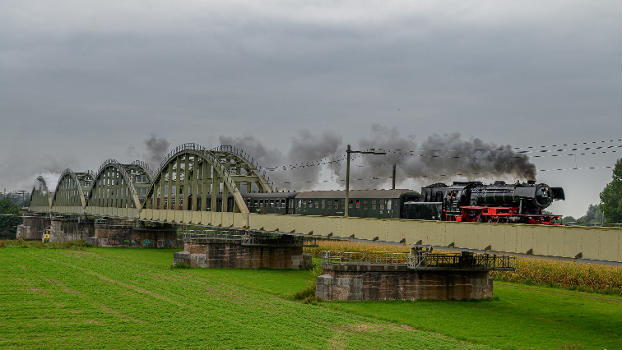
611,140
439,176
521,150
583,152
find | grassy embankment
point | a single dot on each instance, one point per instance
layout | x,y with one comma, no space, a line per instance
604,279
131,298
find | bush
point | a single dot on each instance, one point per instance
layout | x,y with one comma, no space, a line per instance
180,266
47,245
307,295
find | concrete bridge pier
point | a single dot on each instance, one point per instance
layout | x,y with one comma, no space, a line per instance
243,250
33,227
401,276
70,228
109,232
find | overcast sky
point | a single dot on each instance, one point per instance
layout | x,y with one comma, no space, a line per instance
82,81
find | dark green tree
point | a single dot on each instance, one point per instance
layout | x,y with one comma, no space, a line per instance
611,196
9,218
593,217
569,220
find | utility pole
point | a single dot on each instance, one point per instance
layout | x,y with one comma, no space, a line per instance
394,165
348,152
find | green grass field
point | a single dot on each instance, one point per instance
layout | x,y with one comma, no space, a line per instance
131,298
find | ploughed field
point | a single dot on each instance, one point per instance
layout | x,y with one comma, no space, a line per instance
131,298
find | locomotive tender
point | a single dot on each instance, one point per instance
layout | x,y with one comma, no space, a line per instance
460,201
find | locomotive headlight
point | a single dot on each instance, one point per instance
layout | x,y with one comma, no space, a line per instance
544,196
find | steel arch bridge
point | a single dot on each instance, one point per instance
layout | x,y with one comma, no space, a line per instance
201,186
191,177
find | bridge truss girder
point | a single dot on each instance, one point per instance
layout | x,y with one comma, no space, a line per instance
119,185
242,168
191,174
71,192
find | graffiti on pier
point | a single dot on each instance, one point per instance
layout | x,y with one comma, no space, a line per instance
137,243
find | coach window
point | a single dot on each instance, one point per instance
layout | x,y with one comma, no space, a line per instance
317,204
299,203
381,203
350,204
323,203
358,204
329,204
365,204
389,204
373,204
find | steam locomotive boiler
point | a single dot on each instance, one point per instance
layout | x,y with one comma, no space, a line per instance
476,202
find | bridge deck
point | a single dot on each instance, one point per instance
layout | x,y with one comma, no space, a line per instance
574,242
589,243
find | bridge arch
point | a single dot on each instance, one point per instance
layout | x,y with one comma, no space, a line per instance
40,196
243,168
191,174
119,185
72,192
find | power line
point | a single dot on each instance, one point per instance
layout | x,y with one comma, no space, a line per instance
439,176
611,140
577,168
595,151
595,146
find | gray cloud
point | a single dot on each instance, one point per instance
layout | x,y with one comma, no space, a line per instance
519,73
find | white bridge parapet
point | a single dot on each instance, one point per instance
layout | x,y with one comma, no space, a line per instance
574,242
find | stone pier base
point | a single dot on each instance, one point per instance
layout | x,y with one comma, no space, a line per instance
131,233
284,252
65,229
33,227
398,282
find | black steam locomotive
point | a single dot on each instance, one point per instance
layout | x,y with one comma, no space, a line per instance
476,202
460,201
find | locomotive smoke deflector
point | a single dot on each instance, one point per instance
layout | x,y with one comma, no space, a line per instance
558,193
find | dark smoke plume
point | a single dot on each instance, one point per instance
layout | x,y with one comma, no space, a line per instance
300,162
451,155
156,150
439,156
